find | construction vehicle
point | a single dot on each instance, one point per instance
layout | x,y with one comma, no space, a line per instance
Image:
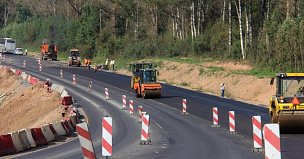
49,52
287,106
143,80
74,58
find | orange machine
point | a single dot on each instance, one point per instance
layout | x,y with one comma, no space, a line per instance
49,52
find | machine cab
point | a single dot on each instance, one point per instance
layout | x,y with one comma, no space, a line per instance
289,84
148,75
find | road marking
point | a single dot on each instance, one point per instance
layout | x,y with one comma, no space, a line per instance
158,125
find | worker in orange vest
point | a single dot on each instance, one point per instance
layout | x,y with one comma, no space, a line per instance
86,62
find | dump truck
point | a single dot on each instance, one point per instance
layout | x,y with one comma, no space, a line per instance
144,81
49,52
287,107
74,58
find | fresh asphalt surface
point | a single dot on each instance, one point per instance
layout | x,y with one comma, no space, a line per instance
173,135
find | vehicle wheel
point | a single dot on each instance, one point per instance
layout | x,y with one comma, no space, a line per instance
144,95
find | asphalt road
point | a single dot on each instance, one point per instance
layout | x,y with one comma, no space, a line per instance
173,135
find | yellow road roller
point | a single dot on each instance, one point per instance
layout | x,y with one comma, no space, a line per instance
287,106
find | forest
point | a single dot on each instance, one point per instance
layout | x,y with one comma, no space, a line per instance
267,34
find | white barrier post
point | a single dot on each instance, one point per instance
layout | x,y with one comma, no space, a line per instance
131,107
257,134
11,59
37,58
145,135
215,117
272,141
107,93
124,102
107,136
85,141
74,79
61,74
40,67
3,58
39,61
184,106
90,86
140,113
24,62
232,123
0,55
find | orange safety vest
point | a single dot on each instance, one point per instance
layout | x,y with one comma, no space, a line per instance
85,61
89,62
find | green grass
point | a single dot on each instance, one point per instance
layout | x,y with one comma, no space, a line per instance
2,101
191,69
185,84
201,71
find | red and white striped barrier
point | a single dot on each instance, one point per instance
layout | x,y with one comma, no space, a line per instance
37,58
24,62
140,113
0,55
3,58
107,136
145,136
85,141
257,134
232,123
11,59
131,107
124,102
107,93
185,106
74,79
215,117
40,67
61,74
272,141
90,85
39,61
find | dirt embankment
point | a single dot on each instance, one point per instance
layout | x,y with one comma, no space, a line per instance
208,77
23,105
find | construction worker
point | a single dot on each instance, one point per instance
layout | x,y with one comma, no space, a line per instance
106,64
113,64
86,62
25,52
223,89
89,63
48,84
95,67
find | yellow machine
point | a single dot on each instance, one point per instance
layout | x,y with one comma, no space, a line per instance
143,80
74,58
287,106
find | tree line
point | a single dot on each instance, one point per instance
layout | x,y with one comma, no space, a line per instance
266,33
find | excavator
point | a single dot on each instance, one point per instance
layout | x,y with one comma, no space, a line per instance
143,80
287,106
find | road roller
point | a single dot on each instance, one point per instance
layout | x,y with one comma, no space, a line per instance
135,67
287,106
145,84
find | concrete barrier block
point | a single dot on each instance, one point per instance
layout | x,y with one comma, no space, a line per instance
59,128
23,139
30,137
18,72
13,70
2,148
38,136
16,141
47,132
58,88
53,130
8,144
34,80
64,93
68,125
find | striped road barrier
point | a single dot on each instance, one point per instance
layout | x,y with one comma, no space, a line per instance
215,118
140,113
107,136
145,135
124,102
232,123
85,141
107,93
184,106
131,107
257,134
272,141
